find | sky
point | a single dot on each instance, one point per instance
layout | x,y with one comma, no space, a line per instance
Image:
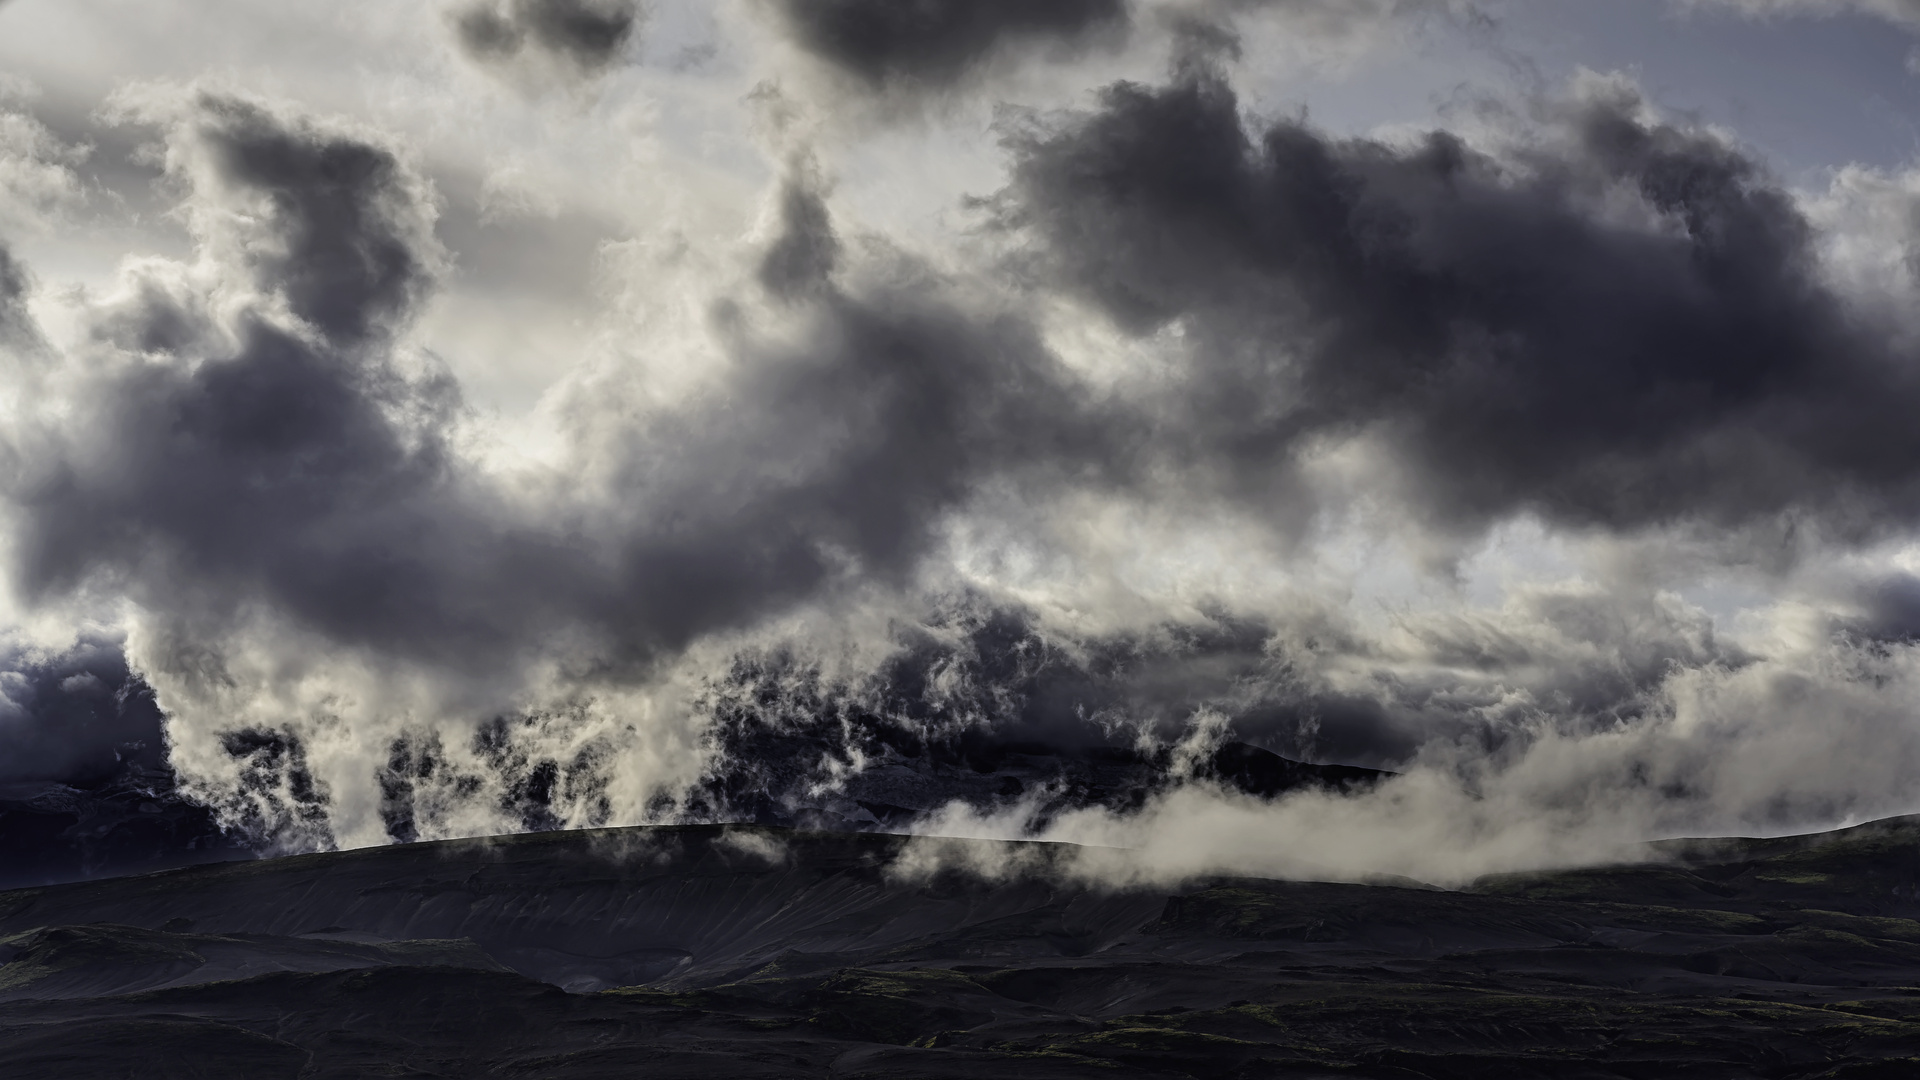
445,406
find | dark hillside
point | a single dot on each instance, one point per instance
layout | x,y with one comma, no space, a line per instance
719,951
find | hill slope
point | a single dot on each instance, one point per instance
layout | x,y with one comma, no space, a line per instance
728,951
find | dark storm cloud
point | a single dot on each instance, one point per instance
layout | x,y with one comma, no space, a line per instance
13,289
276,467
586,34
980,692
260,458
1620,325
929,46
16,323
935,44
1511,335
246,464
73,716
266,447
978,684
1889,611
849,448
342,257
801,262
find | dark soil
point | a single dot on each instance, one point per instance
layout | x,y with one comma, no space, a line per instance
746,952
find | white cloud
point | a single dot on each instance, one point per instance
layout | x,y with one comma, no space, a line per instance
1904,12
38,181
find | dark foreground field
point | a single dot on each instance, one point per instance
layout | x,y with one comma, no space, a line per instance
729,952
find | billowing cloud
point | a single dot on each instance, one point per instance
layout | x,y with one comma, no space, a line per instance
237,448
1888,611
254,448
282,451
17,331
1155,445
37,178
1905,12
1619,323
75,714
586,36
936,44
1728,752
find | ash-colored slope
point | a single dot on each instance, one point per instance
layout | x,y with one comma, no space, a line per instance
674,906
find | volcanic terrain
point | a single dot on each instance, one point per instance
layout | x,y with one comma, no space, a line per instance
749,951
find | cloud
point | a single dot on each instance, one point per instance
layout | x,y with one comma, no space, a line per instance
255,447
802,260
1106,475
17,329
334,225
938,44
931,47
584,36
260,466
1903,12
979,688
1722,751
38,182
266,439
73,715
1617,324
1888,611
248,440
